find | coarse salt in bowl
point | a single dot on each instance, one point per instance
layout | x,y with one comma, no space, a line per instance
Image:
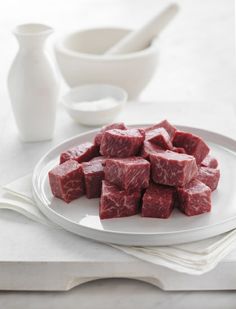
94,104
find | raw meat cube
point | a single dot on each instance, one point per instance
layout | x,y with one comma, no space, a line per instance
118,125
178,149
163,124
67,181
209,161
93,176
101,159
130,174
121,143
158,201
115,203
149,148
80,153
194,198
209,176
172,169
192,144
159,137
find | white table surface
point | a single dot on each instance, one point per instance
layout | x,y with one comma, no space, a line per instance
194,85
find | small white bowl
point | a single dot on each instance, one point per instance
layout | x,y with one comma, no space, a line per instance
81,60
94,92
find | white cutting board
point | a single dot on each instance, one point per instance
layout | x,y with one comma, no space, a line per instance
34,257
46,259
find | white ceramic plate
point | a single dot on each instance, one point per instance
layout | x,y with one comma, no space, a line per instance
81,216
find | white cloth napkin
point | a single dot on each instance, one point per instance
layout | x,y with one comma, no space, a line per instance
193,258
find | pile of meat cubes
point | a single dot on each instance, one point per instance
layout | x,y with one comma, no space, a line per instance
150,170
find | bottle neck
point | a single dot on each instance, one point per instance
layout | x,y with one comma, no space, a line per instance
32,36
31,43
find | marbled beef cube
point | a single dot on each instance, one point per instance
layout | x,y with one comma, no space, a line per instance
130,174
159,137
163,124
179,149
192,144
115,203
149,148
209,176
81,153
210,161
158,201
194,198
93,176
102,159
121,143
67,181
172,169
118,125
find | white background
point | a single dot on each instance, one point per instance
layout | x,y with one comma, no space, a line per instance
197,65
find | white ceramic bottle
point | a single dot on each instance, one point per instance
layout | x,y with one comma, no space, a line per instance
33,84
